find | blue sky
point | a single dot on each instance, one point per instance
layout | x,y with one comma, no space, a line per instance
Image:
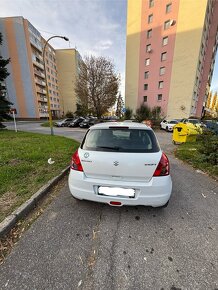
214,83
93,26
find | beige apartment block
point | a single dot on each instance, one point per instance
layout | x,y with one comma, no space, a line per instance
67,63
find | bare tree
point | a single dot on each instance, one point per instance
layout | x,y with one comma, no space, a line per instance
97,85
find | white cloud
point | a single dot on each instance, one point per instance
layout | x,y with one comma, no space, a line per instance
103,45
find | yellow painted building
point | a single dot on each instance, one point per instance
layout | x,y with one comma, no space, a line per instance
212,104
67,64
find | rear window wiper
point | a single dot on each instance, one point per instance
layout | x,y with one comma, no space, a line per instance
115,148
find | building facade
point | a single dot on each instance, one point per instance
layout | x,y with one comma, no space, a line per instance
26,84
171,48
68,66
53,81
212,104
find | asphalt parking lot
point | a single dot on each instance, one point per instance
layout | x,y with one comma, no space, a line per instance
83,245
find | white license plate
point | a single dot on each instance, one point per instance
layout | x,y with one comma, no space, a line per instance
116,191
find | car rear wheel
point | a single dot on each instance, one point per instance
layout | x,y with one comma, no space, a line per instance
163,206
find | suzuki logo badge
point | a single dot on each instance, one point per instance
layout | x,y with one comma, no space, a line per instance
116,163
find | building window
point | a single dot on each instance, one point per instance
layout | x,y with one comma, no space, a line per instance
162,70
159,97
148,48
147,61
146,74
165,40
160,85
166,24
163,56
145,87
150,18
199,65
145,98
151,3
168,7
149,33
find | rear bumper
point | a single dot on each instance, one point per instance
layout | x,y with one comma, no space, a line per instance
154,193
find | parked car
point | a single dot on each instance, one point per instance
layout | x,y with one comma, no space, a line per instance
168,125
64,122
121,164
211,125
195,122
87,122
111,118
76,122
95,121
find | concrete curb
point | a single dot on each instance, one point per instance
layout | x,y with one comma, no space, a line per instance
9,222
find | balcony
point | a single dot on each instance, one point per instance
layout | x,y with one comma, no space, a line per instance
41,91
39,57
38,73
38,64
43,99
39,82
43,115
43,108
36,45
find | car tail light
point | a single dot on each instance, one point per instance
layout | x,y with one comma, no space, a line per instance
163,167
115,203
75,162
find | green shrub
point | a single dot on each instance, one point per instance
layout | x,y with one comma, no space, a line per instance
208,147
143,113
128,114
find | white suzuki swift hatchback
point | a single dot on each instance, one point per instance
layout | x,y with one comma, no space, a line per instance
121,164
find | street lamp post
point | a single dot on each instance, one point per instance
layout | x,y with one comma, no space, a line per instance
46,83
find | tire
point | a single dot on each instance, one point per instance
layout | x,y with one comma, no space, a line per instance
163,206
77,199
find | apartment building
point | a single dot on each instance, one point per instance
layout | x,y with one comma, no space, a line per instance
26,84
52,80
170,54
68,66
212,104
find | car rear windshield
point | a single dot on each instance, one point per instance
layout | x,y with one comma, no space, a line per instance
121,140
